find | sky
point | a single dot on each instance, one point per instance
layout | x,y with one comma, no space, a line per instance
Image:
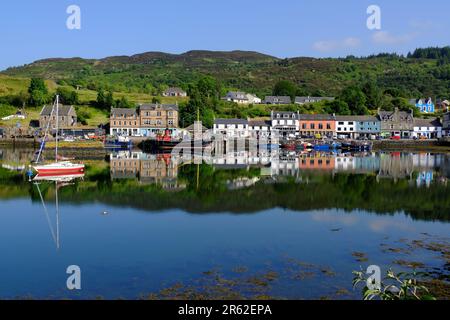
32,30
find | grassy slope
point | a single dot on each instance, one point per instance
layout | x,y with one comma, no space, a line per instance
247,71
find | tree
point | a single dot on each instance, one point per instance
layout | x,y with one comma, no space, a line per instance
68,96
337,107
123,103
156,100
355,99
101,99
373,95
285,88
38,92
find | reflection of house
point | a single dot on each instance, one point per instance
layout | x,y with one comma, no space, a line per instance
396,123
306,100
67,117
428,128
174,92
344,163
146,168
396,166
285,123
317,124
316,162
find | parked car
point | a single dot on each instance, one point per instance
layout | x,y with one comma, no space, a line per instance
396,138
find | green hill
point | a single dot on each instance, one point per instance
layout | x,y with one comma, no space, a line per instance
414,75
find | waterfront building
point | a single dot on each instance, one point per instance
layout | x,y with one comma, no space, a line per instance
285,123
157,119
396,123
124,122
427,128
67,117
147,120
346,127
317,125
367,126
231,128
259,128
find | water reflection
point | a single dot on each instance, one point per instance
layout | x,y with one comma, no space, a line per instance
163,169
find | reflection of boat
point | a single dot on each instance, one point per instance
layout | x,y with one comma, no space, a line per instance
60,181
65,167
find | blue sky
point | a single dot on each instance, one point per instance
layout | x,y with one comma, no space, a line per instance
32,30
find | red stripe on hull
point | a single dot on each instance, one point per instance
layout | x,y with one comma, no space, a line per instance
61,172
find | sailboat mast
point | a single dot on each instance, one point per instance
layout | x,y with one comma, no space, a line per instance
57,127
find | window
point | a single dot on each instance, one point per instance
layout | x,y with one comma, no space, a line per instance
350,123
328,126
341,123
170,122
321,126
304,126
278,116
313,126
158,114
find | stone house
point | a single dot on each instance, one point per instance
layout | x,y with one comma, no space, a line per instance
67,117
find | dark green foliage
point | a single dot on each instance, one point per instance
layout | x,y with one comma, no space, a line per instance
38,92
355,99
68,96
338,107
285,88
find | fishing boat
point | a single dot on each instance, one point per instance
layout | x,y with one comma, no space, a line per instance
58,167
118,142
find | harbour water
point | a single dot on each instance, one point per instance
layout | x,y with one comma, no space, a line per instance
238,226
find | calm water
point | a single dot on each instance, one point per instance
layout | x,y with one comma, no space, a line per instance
293,226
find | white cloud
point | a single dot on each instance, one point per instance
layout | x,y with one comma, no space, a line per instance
385,37
332,45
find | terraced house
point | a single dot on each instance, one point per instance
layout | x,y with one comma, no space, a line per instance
315,125
367,126
147,120
396,123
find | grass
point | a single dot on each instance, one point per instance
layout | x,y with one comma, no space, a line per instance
94,117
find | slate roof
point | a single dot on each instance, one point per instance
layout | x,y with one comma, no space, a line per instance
62,110
357,118
278,100
175,90
317,117
154,106
427,123
123,112
231,121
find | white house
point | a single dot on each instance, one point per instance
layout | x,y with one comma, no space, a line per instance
345,126
259,128
231,128
428,128
286,123
241,98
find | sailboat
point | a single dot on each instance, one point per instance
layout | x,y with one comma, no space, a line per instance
58,167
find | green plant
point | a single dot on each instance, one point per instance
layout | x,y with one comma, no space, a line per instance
400,286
